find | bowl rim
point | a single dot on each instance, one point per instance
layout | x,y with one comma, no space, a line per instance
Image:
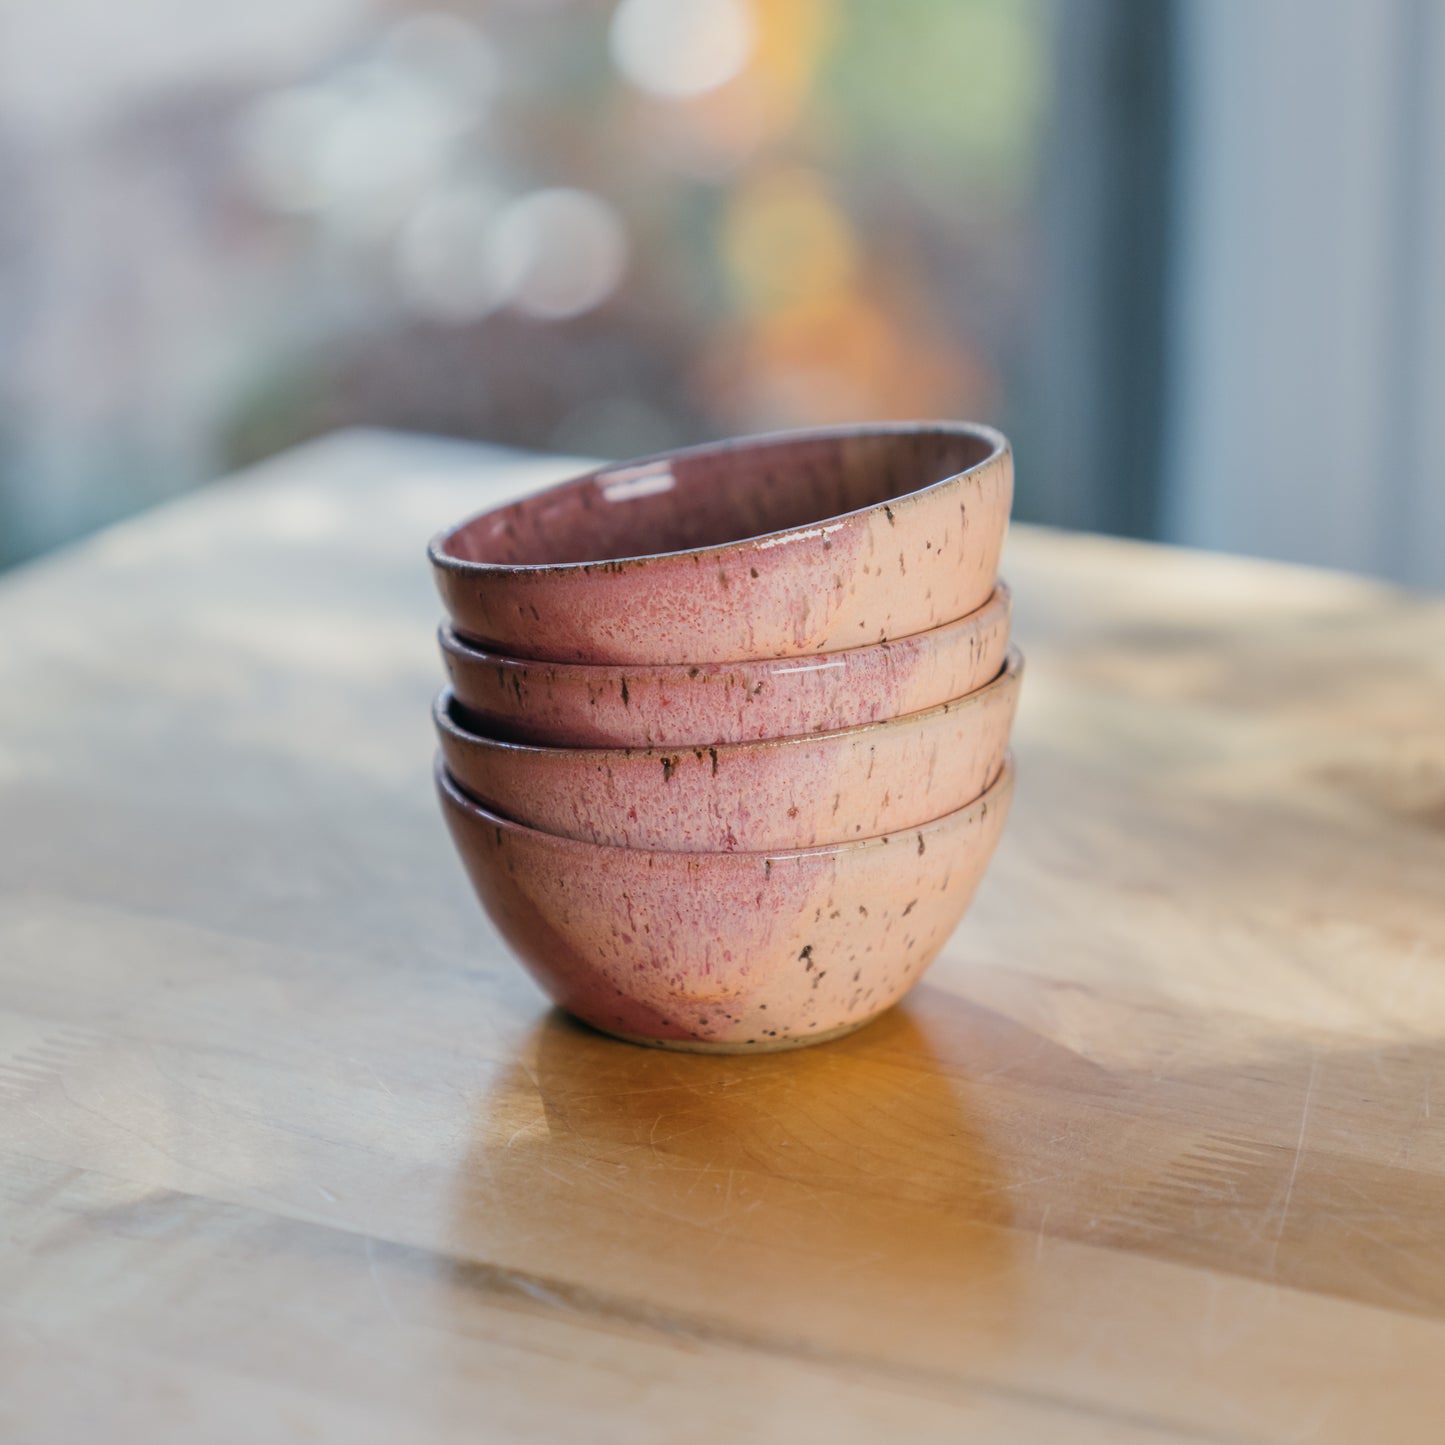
455,796
1010,675
456,644
1000,449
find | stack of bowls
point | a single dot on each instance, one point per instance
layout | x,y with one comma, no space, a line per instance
725,746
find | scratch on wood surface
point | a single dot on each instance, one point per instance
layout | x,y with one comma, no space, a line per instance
385,1087
535,1290
376,1283
1299,1146
531,1128
1039,1235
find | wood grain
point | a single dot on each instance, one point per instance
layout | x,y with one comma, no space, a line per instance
289,1149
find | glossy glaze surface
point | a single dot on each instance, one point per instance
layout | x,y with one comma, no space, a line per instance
738,950
745,797
770,546
688,705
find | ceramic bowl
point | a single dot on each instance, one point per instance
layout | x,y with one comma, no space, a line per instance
769,546
727,952
574,704
746,797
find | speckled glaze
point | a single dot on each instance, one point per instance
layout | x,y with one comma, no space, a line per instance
560,704
772,546
727,951
746,797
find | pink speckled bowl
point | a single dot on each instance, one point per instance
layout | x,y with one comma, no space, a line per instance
768,546
746,797
574,704
727,952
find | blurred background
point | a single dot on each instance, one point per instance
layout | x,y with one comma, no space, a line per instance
1189,253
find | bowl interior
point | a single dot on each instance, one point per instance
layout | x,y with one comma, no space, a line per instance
710,496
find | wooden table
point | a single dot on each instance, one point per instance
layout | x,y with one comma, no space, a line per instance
291,1150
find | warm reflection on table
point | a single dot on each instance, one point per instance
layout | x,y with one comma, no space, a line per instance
290,1149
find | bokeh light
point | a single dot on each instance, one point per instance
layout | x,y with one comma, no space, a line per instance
681,48
444,266
363,146
278,139
558,252
785,238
